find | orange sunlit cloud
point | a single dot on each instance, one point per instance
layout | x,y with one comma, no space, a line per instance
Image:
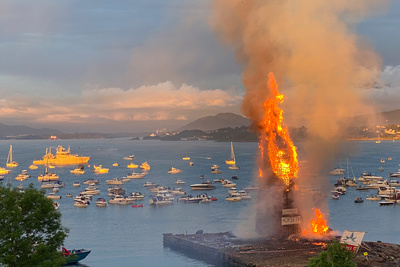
163,101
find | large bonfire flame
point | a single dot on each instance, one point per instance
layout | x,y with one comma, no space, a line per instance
318,225
282,153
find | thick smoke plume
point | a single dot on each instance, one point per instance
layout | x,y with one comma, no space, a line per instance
318,61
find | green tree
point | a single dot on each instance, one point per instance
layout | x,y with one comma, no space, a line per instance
31,230
336,255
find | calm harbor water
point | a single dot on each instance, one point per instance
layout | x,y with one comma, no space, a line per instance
123,236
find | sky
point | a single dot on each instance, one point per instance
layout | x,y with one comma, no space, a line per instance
134,66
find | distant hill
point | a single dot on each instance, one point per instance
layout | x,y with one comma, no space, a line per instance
18,130
221,120
381,118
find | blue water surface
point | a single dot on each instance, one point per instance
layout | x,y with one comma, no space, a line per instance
126,236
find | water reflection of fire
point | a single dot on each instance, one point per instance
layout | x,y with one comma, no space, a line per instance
282,154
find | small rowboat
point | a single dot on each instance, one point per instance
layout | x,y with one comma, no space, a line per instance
137,206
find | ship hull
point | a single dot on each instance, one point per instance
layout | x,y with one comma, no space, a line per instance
66,161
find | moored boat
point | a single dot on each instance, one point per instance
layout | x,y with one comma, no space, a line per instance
63,157
33,167
114,181
10,162
179,182
206,185
174,170
99,169
80,204
374,197
51,184
101,202
4,171
131,157
132,166
233,198
145,166
78,170
75,255
232,160
135,175
53,196
47,176
359,200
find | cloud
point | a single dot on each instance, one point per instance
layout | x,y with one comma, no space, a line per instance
385,93
160,102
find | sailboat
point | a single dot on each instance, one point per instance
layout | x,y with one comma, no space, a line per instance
350,182
10,163
232,160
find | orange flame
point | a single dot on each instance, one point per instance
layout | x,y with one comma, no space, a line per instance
318,225
282,153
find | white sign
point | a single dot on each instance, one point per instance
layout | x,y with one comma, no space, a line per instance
352,238
289,211
291,220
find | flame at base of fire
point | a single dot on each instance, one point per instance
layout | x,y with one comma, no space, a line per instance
318,227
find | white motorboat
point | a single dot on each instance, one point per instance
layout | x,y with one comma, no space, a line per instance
177,191
234,167
53,196
174,170
387,190
135,175
387,202
51,184
99,169
80,204
159,201
195,199
365,176
374,198
56,205
47,176
228,183
149,184
83,198
206,185
76,184
335,195
120,200
165,194
179,182
243,194
136,196
234,197
131,157
114,181
396,174
91,190
101,202
91,181
79,170
337,171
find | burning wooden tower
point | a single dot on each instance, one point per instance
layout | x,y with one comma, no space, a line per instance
278,168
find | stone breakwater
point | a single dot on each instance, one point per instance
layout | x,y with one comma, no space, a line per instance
224,249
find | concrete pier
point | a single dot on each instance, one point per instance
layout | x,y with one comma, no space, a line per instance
224,249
